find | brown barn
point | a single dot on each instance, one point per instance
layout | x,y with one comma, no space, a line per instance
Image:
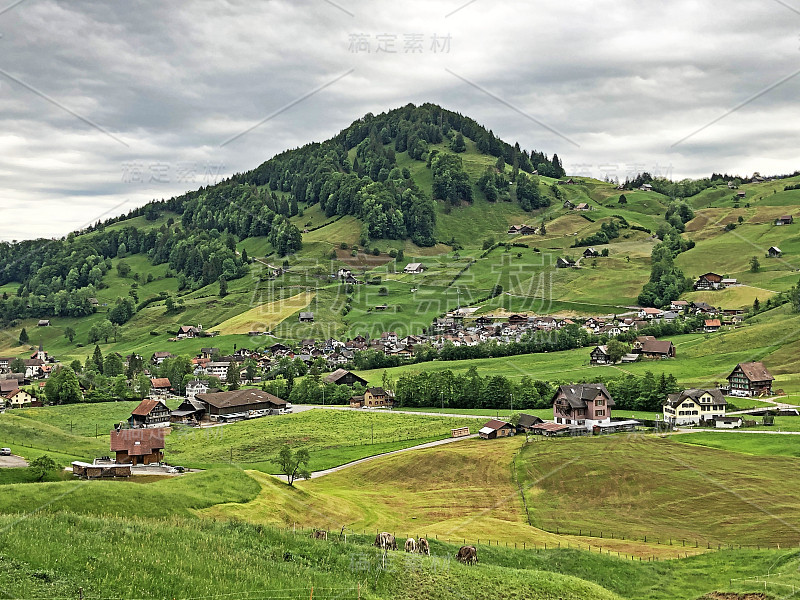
238,404
344,377
138,446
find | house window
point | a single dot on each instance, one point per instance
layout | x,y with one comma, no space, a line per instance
599,402
600,413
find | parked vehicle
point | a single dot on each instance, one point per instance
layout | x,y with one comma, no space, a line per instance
5,451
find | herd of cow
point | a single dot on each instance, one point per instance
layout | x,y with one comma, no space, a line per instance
385,541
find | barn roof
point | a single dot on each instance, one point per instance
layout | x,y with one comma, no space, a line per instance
755,371
146,406
237,398
656,346
494,425
138,442
160,382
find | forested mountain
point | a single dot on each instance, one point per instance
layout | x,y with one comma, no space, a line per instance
354,173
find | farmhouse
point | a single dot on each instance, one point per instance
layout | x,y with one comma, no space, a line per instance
656,349
711,325
18,398
415,268
240,404
375,397
160,357
495,429
590,253
690,407
343,377
650,313
149,413
585,405
187,331
679,305
583,206
784,220
774,252
43,323
557,430
708,281
306,317
750,379
138,446
159,387
599,356
194,387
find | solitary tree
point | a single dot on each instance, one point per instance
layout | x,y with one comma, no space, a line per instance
755,266
69,333
42,466
223,287
293,464
616,350
23,337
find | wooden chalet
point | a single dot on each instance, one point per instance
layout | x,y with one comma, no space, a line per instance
415,268
191,410
711,325
564,263
708,281
599,356
100,470
784,220
160,387
590,253
150,413
750,379
138,446
774,252
306,317
344,377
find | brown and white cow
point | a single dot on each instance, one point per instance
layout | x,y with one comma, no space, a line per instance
423,547
319,534
467,555
385,541
411,545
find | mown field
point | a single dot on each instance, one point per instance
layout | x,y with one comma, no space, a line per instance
637,486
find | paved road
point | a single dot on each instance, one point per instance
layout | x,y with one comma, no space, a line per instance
303,407
12,461
316,474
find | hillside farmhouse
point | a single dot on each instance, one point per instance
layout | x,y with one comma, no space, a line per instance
784,220
709,281
415,268
750,379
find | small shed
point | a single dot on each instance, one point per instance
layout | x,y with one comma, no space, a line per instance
774,252
43,323
306,317
728,422
495,429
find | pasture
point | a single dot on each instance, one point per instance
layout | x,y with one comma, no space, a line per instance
637,486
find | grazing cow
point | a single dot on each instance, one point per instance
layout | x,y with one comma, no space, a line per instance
467,555
411,545
423,547
319,534
385,541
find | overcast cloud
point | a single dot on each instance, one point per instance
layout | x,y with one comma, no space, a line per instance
105,106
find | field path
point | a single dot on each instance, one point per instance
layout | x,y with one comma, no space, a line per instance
317,474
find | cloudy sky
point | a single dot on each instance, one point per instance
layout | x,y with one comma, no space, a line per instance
107,105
